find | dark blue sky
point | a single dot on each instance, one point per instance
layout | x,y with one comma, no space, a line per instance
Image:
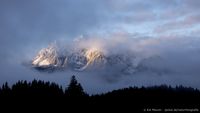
170,26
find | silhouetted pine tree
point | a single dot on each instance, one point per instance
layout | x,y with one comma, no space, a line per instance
74,88
5,90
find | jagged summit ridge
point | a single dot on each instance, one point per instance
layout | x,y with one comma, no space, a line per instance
81,59
77,60
47,57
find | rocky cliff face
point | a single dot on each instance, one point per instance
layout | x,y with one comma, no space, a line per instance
52,58
77,60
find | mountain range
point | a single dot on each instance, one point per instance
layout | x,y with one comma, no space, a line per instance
82,59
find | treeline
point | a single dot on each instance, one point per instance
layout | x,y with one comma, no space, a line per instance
39,94
41,88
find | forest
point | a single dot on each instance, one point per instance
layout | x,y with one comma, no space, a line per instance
51,94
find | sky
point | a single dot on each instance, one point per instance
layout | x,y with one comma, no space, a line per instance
169,28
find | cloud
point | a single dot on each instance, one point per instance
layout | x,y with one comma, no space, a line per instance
41,22
185,23
169,60
168,29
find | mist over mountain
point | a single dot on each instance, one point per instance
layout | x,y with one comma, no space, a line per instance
107,44
118,58
112,62
90,55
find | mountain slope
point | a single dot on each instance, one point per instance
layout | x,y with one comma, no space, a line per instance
52,58
77,60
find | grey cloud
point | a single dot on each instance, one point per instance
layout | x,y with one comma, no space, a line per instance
26,26
178,55
187,22
168,60
27,21
177,9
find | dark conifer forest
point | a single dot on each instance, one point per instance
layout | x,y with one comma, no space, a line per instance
137,98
